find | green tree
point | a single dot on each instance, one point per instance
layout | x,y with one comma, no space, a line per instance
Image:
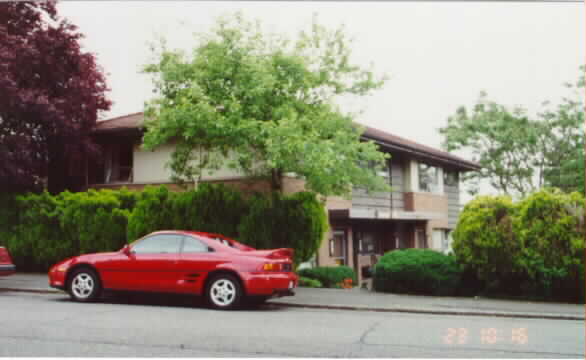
519,154
263,105
563,140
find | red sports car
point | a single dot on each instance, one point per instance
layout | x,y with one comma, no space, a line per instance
221,269
6,265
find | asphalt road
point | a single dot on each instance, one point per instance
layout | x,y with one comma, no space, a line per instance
38,325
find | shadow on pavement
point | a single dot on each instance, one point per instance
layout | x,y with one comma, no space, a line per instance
168,300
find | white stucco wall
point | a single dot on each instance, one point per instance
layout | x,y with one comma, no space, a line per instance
149,166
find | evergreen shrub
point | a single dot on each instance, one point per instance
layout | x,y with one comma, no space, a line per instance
417,271
297,221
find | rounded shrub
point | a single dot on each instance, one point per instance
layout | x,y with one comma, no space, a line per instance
484,240
417,271
330,276
550,231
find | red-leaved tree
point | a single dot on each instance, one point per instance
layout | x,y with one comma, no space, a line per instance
51,93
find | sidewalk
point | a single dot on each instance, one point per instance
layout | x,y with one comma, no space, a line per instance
357,299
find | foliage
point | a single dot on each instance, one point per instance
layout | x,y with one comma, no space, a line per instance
550,230
533,247
297,221
41,229
519,154
51,228
265,106
563,139
153,211
483,238
417,271
330,276
50,95
211,208
311,283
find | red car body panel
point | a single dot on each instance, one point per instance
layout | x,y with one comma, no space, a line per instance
6,265
186,272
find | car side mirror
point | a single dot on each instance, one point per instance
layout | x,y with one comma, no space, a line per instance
126,250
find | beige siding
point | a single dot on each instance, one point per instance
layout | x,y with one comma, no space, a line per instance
149,167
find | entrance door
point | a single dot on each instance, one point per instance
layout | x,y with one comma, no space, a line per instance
339,247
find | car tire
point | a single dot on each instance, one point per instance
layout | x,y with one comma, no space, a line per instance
224,292
84,285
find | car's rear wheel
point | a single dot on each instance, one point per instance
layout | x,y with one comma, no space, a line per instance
224,292
84,285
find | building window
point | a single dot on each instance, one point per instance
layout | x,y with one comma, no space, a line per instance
118,163
367,243
338,247
428,178
450,178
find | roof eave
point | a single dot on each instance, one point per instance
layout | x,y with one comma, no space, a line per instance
462,165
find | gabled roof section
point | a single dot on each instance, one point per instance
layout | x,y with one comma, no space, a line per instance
389,142
126,122
397,143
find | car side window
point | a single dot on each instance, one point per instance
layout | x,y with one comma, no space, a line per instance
158,244
192,245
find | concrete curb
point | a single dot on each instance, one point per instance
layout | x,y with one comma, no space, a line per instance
35,291
376,309
435,312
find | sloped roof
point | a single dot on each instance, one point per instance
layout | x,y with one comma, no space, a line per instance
394,142
386,140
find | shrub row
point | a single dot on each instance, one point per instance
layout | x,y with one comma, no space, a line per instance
330,276
532,247
42,229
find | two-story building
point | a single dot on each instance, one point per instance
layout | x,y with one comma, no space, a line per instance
420,211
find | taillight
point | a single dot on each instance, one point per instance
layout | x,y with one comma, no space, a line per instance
277,267
272,267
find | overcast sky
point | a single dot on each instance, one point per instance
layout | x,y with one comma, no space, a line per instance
439,56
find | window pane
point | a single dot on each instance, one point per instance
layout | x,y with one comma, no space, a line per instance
450,178
192,245
428,178
158,244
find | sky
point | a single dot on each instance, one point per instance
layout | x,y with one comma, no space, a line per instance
438,56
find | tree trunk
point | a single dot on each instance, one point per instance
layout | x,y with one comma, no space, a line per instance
277,180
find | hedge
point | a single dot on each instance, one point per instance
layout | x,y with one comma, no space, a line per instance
49,228
534,247
297,221
417,271
330,276
42,229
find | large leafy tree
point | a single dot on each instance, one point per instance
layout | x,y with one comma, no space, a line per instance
264,105
520,154
563,141
50,95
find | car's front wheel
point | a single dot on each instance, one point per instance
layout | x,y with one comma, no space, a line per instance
224,292
84,285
